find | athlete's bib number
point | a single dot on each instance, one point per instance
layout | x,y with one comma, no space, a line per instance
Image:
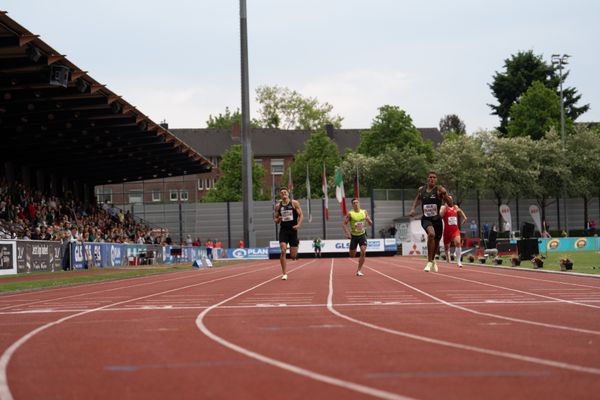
287,215
452,221
430,210
359,226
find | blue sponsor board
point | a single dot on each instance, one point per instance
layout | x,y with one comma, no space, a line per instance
249,253
570,244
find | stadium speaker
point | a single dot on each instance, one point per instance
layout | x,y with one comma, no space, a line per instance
528,248
59,75
527,230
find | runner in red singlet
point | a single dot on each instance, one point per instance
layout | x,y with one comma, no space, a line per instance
450,213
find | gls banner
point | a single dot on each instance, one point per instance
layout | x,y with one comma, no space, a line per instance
250,253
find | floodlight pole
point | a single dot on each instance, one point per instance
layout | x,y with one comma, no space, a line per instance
561,60
248,206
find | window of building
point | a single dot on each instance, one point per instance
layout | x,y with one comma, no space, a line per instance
173,195
200,184
258,162
136,196
277,166
215,160
156,195
103,195
184,195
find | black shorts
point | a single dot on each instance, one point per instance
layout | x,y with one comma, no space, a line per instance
438,226
289,236
358,241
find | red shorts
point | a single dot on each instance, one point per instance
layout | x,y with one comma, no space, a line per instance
449,234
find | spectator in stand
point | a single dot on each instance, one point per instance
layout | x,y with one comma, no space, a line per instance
209,249
473,229
188,240
242,244
218,248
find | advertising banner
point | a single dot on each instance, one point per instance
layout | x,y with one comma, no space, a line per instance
570,244
336,246
534,211
505,212
8,257
38,256
250,253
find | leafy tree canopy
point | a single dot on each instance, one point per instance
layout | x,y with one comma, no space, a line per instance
280,107
535,113
228,186
319,150
451,123
520,71
393,127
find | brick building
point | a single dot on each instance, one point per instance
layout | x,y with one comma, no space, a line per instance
274,149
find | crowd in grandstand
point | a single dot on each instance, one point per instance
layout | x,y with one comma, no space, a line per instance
27,214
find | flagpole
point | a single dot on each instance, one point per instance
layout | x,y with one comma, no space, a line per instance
273,204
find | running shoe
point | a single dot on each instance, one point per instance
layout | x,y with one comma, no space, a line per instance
459,264
358,273
434,267
428,266
284,277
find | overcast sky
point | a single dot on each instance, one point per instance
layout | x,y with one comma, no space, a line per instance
179,60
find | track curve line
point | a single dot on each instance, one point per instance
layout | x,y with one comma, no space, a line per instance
283,365
460,346
5,393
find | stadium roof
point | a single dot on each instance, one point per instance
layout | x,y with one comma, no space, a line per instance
56,118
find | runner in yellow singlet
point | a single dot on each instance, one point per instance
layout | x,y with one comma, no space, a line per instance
357,219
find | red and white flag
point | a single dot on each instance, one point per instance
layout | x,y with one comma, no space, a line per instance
339,190
356,186
325,196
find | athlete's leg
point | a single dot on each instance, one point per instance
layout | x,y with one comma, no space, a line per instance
294,252
282,258
361,259
457,249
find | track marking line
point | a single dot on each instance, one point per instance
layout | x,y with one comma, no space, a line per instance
44,291
460,346
469,310
283,365
5,393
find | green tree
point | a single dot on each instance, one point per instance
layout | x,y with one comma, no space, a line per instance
535,113
583,156
280,107
392,127
319,149
508,170
460,163
226,120
227,188
548,159
451,123
520,71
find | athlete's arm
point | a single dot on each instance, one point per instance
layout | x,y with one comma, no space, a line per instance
443,210
345,227
416,202
368,218
277,217
300,215
464,217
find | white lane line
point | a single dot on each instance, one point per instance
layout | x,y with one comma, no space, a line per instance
5,393
520,276
507,288
44,291
469,310
514,356
286,366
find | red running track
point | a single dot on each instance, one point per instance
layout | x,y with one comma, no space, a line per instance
239,332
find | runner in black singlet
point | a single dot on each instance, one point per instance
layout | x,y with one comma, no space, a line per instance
431,197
